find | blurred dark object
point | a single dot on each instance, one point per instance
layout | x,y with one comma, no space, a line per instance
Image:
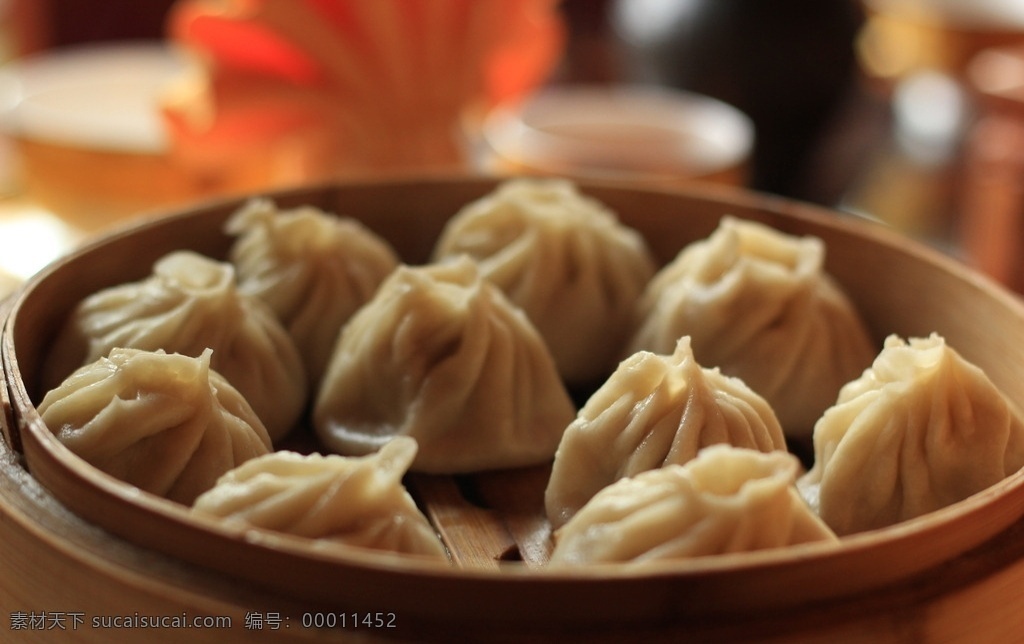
948,168
82,21
788,64
591,54
992,212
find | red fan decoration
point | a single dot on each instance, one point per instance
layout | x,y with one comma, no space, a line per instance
336,87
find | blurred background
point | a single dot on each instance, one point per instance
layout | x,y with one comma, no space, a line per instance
908,112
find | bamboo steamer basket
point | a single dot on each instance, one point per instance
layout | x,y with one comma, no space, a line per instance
116,550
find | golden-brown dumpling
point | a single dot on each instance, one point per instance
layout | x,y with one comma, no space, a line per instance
188,304
655,410
163,422
726,500
758,304
920,430
358,501
441,355
313,269
562,257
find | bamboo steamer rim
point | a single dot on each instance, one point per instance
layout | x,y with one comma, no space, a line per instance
948,532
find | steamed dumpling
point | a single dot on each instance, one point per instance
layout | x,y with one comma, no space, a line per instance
188,304
758,304
165,423
726,500
313,269
441,355
920,430
654,411
358,501
563,258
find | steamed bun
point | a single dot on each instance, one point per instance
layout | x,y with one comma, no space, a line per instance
358,501
726,500
311,268
758,304
165,423
920,430
188,304
441,355
654,411
562,257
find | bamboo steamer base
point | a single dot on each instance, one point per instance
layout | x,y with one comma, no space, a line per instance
948,578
